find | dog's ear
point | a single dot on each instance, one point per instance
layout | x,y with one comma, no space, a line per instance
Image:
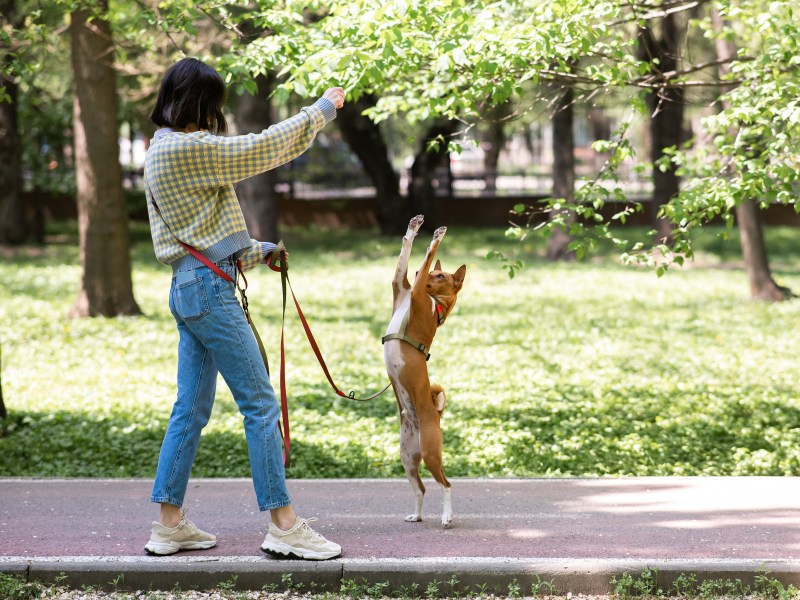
437,266
458,277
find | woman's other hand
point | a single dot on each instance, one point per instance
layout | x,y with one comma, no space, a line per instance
335,95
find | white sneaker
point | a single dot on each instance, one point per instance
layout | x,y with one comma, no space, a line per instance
186,536
300,541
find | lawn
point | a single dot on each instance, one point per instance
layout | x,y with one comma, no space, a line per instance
588,368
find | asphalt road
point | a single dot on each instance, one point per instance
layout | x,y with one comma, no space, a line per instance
642,518
577,535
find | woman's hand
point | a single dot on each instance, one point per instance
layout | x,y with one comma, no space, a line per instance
275,257
335,95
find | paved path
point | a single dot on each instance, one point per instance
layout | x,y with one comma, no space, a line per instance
522,528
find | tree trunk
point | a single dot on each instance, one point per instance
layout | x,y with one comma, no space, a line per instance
496,139
106,287
3,411
366,141
563,173
666,116
13,220
422,188
257,194
754,250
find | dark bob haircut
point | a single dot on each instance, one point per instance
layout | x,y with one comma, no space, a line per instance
191,92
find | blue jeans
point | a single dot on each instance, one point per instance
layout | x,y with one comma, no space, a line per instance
215,337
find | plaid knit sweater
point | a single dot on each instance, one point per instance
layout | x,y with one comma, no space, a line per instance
190,177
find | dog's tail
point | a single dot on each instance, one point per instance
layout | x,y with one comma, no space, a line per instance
438,397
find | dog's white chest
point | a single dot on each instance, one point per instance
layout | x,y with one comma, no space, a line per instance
397,318
391,349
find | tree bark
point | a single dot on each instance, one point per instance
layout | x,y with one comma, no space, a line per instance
754,252
3,411
563,173
666,116
366,141
106,287
496,139
422,188
13,220
754,249
257,194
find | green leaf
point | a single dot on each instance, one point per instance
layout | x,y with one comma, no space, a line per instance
459,57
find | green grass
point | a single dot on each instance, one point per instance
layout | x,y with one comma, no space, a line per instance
567,369
649,584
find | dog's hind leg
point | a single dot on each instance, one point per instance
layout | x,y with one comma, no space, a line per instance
431,446
411,456
447,507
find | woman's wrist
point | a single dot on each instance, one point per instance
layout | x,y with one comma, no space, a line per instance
266,249
327,108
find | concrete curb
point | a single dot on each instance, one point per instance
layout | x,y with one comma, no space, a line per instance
413,576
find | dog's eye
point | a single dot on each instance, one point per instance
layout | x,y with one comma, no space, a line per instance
440,276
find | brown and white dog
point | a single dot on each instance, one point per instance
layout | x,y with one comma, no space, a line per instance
418,311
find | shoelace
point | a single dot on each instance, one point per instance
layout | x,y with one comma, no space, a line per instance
308,532
190,527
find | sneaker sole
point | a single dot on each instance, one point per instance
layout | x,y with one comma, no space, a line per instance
287,551
167,548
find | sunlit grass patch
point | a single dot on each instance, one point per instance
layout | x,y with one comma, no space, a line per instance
587,368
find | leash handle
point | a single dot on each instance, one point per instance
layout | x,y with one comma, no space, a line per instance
283,425
280,252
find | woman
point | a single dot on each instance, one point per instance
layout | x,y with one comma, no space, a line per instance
189,174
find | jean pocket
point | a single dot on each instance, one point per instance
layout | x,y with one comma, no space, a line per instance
191,300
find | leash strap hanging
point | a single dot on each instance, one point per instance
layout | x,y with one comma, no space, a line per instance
283,425
287,284
283,267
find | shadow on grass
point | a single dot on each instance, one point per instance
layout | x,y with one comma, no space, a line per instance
69,444
622,432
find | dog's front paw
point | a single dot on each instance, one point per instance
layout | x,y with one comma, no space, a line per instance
447,519
416,223
439,233
415,518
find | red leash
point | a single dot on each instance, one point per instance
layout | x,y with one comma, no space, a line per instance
285,283
283,269
283,424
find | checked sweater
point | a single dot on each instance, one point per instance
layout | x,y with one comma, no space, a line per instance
190,177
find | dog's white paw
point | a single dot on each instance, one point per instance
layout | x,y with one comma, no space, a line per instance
416,223
447,519
415,518
439,233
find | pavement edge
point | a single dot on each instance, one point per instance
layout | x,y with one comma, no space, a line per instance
579,576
